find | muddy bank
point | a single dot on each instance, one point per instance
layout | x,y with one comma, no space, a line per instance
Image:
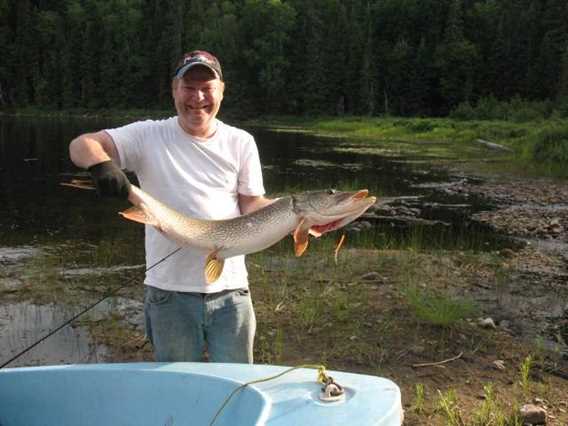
536,209
530,298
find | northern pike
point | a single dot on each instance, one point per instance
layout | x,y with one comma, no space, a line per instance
308,213
302,214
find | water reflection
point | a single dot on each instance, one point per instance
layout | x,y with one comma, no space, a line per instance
22,324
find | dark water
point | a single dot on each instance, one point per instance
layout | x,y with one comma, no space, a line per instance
46,229
34,208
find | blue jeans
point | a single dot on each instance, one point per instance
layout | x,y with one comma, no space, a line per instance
182,325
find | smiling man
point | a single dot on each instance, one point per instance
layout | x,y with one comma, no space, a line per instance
206,169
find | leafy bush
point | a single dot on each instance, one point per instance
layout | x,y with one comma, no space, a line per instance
516,110
463,111
420,126
562,107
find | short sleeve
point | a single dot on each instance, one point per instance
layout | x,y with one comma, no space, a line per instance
250,173
128,141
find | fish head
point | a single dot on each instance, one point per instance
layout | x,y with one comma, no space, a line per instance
328,210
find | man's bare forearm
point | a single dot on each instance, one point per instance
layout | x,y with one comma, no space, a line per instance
92,148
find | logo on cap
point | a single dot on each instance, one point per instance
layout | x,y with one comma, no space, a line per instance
199,57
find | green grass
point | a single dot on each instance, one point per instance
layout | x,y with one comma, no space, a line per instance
436,308
539,142
448,406
525,371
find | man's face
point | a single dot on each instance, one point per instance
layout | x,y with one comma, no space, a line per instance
197,97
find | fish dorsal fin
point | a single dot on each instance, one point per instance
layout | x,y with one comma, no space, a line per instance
213,267
301,240
137,214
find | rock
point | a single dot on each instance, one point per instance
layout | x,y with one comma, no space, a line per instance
372,276
499,364
507,252
486,323
533,415
494,146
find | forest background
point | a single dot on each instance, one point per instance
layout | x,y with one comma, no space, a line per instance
361,57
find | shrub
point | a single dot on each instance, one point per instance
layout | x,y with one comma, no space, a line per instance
562,107
463,111
516,110
420,126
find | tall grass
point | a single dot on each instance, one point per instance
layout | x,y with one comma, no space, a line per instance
448,406
551,145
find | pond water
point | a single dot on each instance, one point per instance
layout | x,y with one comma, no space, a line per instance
49,233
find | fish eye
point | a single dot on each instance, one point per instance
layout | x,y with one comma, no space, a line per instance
331,191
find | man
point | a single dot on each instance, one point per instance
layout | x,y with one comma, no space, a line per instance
205,169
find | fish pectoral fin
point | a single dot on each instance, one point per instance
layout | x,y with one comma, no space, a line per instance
136,214
301,238
213,267
315,233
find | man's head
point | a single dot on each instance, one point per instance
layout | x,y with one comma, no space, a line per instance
197,89
198,58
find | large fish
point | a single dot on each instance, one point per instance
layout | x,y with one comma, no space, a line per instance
303,214
314,212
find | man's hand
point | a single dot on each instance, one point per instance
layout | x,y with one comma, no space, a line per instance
111,182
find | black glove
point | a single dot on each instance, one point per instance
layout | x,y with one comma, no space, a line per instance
111,182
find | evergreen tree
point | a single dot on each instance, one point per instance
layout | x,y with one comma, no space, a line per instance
7,46
24,53
455,58
322,56
75,18
265,25
308,73
563,81
482,29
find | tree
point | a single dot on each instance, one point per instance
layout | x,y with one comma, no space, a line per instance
563,81
266,25
455,59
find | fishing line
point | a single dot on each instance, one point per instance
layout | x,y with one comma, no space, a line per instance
322,378
112,293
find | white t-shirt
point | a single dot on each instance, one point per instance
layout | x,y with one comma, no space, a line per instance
199,178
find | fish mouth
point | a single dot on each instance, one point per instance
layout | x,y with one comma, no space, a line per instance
360,195
350,207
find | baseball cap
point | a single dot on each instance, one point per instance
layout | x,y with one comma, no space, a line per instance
198,57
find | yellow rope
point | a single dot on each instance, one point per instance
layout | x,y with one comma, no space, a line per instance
322,378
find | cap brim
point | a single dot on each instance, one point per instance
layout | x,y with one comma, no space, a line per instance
181,72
